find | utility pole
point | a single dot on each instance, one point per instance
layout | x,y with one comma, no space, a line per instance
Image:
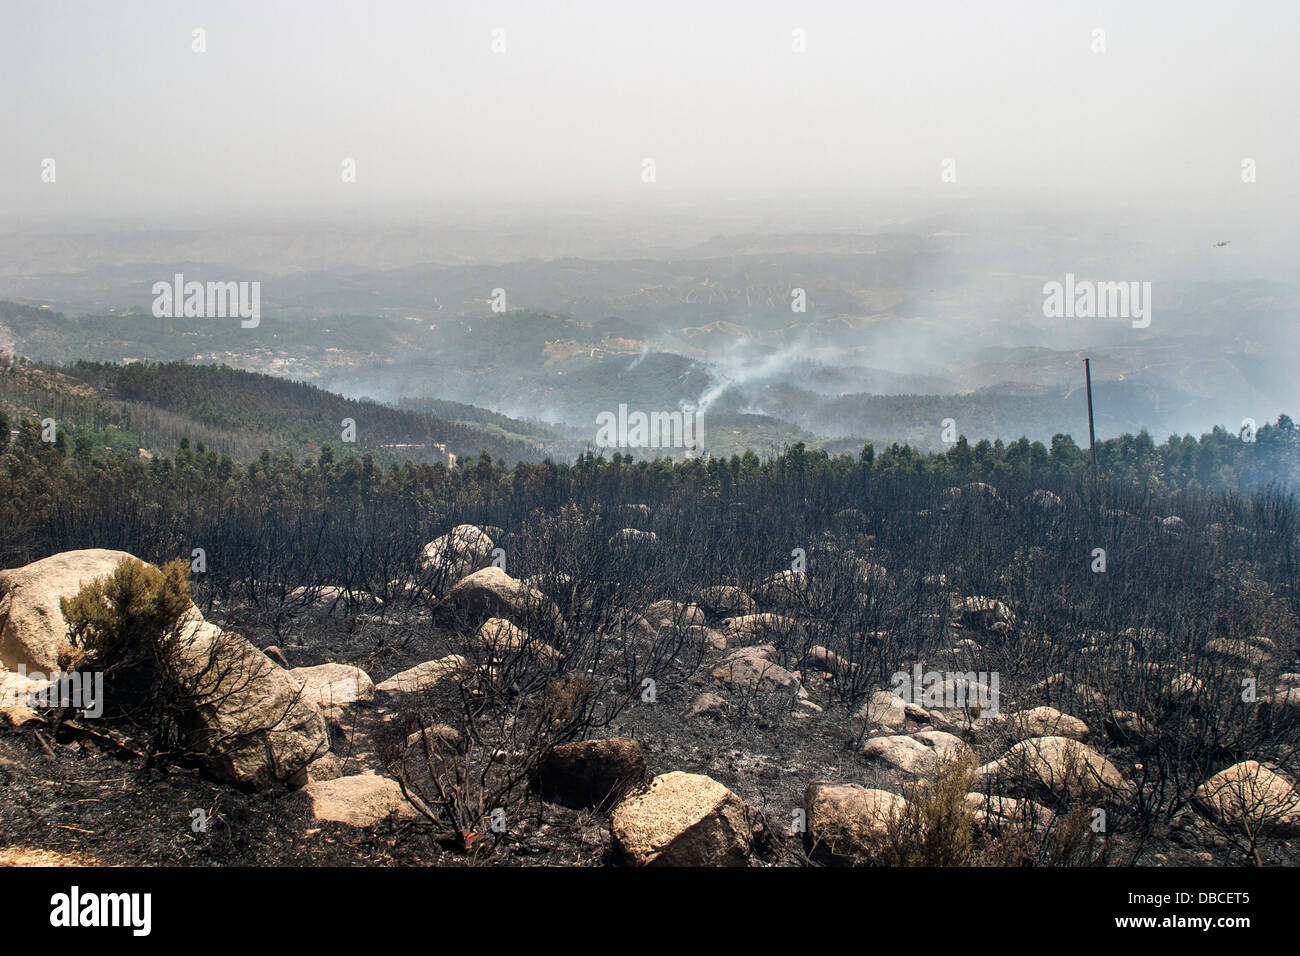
1092,434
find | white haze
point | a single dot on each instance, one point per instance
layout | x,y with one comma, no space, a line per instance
142,126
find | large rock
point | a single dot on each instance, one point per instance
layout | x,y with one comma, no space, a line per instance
1059,687
490,593
663,614
250,717
902,753
421,677
960,694
247,716
588,773
33,630
335,685
918,754
828,661
708,704
755,628
683,819
1058,765
726,600
1244,654
501,639
994,814
706,637
362,800
438,738
326,767
626,627
848,825
457,553
1250,797
750,667
975,494
1185,687
943,743
984,614
1173,524
1283,707
1044,722
20,690
1129,728
17,695
783,590
885,709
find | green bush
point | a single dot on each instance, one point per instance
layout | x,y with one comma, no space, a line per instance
937,825
125,626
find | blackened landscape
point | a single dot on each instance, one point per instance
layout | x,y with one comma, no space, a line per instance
607,437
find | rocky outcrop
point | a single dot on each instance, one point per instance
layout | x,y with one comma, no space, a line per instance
664,614
1173,525
1241,653
726,600
591,773
984,614
683,819
334,685
828,661
500,639
1043,722
1063,767
1251,797
783,590
33,631
423,676
329,597
248,716
706,637
756,628
457,553
886,710
490,593
709,704
973,495
1046,500
994,814
848,825
1128,728
902,753
918,754
750,667
362,800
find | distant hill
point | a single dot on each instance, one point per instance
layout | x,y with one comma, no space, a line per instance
241,413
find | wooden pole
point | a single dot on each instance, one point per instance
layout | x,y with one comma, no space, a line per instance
1092,433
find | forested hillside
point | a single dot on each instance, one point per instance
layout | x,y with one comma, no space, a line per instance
153,406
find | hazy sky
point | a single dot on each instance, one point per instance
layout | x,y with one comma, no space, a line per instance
140,124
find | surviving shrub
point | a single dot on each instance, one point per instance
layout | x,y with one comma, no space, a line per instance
125,626
936,826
